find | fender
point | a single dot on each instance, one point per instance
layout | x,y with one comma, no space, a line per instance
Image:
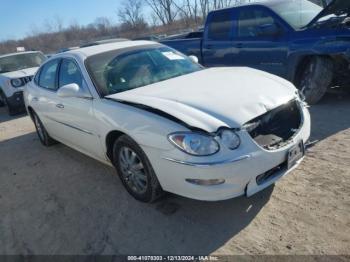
157,112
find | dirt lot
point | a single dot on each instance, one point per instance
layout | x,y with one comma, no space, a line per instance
58,201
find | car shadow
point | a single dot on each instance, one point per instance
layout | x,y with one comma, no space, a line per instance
58,201
330,116
4,116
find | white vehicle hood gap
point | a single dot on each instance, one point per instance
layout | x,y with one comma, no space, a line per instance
197,99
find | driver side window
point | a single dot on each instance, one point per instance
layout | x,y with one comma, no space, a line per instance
251,20
69,74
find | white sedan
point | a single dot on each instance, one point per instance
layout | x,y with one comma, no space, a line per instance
168,124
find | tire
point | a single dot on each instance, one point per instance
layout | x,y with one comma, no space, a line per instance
2,100
314,78
137,176
43,135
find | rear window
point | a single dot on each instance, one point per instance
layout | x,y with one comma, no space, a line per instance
220,25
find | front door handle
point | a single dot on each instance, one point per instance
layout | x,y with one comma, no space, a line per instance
60,106
239,45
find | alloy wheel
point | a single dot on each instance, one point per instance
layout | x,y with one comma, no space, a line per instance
133,171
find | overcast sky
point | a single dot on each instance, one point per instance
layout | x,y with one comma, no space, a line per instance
20,17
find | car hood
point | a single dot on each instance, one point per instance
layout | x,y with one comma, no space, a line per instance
214,98
335,7
21,73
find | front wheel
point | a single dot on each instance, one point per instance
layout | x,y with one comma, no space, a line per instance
135,170
43,135
2,100
314,78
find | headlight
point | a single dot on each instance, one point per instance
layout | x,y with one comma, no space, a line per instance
194,143
230,139
17,83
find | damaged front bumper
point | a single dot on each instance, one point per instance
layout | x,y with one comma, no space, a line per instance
231,176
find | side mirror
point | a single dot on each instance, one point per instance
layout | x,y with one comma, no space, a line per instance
269,30
73,90
194,58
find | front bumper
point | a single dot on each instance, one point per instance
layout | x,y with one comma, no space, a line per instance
240,170
16,100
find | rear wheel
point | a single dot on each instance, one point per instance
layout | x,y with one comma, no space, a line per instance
44,137
135,170
314,78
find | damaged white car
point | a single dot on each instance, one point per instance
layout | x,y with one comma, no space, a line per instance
168,124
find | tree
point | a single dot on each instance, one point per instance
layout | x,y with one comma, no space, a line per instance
102,24
131,13
189,10
165,10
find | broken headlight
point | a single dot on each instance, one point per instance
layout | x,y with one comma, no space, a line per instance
230,139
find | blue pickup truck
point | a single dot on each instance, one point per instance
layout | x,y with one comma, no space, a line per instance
295,39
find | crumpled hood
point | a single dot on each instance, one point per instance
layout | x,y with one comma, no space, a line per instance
21,73
214,98
335,7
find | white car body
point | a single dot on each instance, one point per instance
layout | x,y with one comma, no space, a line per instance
13,94
206,100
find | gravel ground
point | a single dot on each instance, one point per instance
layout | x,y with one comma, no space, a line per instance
58,201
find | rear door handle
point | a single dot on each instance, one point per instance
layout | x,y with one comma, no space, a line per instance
35,99
239,45
209,47
60,106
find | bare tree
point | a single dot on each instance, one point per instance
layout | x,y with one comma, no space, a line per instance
131,13
102,24
189,10
165,10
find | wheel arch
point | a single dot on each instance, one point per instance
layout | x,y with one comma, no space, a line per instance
31,112
111,137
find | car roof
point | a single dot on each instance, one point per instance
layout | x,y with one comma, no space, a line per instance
97,49
105,41
267,3
19,53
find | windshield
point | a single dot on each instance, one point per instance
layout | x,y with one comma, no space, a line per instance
297,13
113,72
20,61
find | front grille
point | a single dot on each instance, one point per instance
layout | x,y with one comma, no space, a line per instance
276,128
27,79
271,174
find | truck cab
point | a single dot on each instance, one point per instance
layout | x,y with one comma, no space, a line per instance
297,40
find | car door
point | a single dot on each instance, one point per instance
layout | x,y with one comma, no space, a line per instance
217,43
45,98
76,115
260,41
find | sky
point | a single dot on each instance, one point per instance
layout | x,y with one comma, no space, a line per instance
20,17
